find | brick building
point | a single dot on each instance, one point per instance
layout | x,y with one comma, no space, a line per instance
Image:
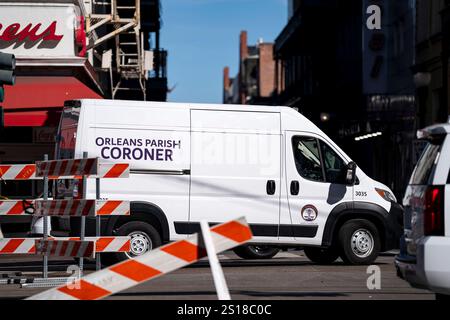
255,81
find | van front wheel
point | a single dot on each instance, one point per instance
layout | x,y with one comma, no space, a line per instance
359,242
256,252
143,238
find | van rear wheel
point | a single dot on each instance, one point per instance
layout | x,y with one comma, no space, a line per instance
256,252
359,242
143,238
321,255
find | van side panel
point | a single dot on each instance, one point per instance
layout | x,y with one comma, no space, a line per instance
233,156
148,139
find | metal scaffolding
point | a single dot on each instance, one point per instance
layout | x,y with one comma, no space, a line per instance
119,20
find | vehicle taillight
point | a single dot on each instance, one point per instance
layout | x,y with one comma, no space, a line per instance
434,211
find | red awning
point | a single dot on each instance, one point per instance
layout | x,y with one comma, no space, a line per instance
37,101
45,118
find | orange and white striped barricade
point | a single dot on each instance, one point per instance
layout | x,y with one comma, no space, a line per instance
27,246
17,171
64,169
65,248
77,168
72,208
82,207
153,264
102,244
16,207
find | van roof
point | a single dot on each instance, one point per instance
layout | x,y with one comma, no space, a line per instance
183,105
291,123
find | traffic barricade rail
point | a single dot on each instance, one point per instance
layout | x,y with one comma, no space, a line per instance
73,169
82,246
153,264
27,245
72,207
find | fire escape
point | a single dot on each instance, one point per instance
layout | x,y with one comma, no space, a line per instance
119,32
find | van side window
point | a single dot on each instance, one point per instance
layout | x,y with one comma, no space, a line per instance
307,158
335,167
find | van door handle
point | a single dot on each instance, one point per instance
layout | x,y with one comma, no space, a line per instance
270,187
295,187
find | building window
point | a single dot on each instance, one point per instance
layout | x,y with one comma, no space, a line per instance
423,20
435,18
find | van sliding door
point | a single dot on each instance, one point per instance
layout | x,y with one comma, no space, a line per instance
235,168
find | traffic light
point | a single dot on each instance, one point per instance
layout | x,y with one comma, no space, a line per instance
7,74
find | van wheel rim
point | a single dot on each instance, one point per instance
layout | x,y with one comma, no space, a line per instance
362,243
140,243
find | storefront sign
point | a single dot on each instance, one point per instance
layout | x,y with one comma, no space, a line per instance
38,30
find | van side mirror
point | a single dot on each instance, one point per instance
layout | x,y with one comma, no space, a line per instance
350,177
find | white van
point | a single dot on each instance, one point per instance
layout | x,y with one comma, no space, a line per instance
191,162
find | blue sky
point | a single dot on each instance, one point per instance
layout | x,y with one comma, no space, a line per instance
202,36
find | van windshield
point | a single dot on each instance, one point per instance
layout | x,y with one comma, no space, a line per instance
67,133
423,173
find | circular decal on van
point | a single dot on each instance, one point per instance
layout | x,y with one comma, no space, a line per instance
309,213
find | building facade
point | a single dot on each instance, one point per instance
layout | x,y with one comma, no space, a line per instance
431,65
363,98
66,50
255,81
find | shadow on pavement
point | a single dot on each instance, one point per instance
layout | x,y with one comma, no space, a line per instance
165,293
233,292
272,262
62,265
290,294
38,265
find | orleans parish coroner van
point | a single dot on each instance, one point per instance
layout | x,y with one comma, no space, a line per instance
193,162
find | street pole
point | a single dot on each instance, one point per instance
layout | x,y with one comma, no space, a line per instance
45,220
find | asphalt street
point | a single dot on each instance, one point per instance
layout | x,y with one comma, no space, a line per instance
289,275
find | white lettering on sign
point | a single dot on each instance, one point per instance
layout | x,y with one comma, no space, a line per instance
374,280
374,20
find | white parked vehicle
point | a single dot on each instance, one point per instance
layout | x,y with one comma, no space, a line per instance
424,259
193,162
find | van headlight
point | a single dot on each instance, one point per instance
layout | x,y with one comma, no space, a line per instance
386,195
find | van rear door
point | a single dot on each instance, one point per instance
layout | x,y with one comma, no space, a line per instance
236,168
